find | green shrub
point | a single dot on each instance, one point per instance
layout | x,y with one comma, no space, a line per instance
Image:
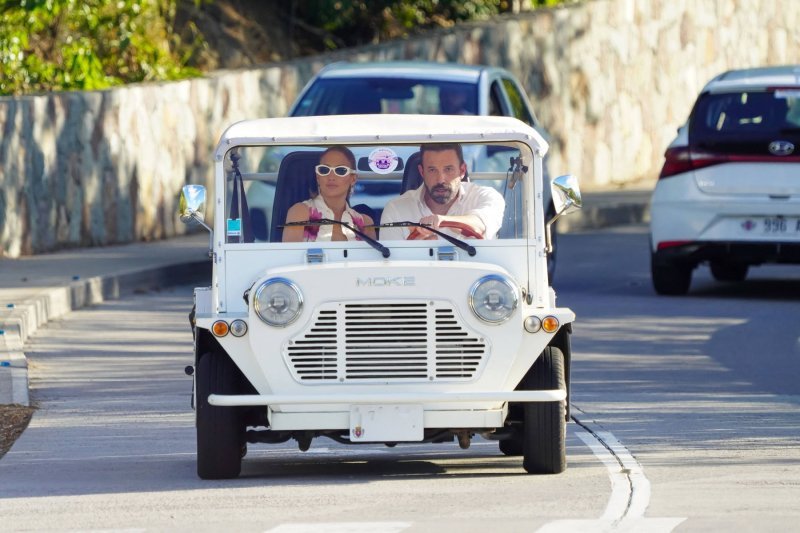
88,44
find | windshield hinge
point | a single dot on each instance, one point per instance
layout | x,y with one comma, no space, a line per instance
446,253
315,255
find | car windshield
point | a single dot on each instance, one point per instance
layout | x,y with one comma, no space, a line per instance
745,122
349,96
264,182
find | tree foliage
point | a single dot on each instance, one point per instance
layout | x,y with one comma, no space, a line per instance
50,45
88,44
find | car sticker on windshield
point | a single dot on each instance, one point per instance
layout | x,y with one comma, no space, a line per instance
383,160
234,227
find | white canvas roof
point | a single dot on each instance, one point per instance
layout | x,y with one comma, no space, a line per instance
372,129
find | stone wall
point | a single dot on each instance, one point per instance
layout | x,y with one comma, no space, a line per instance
610,79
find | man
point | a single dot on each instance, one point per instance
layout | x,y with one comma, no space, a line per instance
443,197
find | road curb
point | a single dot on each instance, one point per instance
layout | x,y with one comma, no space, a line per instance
19,321
604,210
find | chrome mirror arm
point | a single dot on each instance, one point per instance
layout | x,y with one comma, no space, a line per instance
194,215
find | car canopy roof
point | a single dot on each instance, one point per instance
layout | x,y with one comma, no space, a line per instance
423,70
379,129
754,79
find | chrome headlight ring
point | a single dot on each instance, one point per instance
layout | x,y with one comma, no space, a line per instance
493,298
278,302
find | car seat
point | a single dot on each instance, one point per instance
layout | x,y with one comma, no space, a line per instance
296,182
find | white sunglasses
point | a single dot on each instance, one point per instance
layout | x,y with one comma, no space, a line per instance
341,171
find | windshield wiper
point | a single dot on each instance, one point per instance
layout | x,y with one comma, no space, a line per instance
452,240
328,221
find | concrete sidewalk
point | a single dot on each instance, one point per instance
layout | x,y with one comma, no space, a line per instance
40,288
37,289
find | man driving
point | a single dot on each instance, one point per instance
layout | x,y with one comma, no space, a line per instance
444,198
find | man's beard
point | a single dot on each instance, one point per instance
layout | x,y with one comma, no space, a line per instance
441,194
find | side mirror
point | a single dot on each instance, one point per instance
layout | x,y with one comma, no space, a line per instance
566,195
566,199
192,204
191,209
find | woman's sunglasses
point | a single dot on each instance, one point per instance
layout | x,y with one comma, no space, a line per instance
341,171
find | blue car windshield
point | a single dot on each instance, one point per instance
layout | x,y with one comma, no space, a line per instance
352,96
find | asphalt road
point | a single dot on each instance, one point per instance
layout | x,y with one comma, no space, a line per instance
698,397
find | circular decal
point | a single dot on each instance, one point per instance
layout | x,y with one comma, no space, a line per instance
383,160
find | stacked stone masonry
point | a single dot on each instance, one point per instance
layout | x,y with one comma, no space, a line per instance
610,79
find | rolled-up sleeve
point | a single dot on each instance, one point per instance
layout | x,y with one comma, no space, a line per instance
489,206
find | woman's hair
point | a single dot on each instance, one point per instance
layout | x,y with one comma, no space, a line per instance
345,151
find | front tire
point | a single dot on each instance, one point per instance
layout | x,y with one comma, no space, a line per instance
220,430
544,446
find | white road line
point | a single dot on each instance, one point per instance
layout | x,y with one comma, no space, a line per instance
342,527
630,491
620,486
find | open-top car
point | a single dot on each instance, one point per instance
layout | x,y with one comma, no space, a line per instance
386,339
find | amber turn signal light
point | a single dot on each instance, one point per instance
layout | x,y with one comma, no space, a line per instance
550,324
219,328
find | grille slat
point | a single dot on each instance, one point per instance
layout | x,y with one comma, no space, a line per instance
385,342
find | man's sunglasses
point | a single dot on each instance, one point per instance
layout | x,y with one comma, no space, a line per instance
341,171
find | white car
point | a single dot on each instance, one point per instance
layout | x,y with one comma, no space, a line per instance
378,341
729,191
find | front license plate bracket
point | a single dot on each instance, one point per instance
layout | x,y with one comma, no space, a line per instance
386,423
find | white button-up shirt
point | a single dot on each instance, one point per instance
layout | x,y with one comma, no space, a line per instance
481,201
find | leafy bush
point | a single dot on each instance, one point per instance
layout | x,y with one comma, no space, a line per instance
88,44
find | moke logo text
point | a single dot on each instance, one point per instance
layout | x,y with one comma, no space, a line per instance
380,281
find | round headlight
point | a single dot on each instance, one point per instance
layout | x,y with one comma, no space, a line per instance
493,298
278,302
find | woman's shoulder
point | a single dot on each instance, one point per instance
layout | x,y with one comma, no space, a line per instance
300,209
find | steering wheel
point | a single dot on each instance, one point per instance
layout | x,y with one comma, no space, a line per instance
465,230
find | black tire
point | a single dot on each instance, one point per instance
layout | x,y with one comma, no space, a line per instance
544,442
220,430
670,279
732,272
511,447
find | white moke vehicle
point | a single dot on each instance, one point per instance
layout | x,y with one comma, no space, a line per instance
378,341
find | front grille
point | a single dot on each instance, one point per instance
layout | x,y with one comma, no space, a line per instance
396,341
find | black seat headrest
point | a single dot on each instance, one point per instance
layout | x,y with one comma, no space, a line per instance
296,182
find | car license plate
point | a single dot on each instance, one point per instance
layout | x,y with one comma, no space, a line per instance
386,423
772,226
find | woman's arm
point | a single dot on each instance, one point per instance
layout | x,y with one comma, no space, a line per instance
370,232
297,213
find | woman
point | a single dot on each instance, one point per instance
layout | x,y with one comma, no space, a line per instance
336,176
